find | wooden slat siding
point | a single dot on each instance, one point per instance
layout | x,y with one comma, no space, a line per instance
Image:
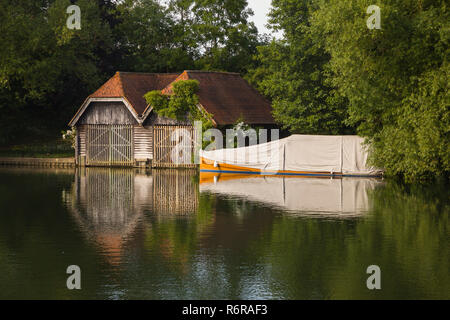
107,113
110,145
143,142
77,147
174,192
82,140
163,147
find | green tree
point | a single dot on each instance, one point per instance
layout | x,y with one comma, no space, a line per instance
151,38
395,79
216,33
46,69
182,104
186,34
226,39
293,73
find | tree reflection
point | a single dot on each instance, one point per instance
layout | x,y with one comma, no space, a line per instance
177,235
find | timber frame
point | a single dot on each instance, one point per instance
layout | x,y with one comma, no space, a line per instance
101,143
88,101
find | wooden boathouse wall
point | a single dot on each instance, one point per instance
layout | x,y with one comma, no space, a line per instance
173,146
109,135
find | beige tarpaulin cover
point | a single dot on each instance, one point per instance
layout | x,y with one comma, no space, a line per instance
346,154
349,196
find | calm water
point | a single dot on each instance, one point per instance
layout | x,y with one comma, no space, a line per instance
174,235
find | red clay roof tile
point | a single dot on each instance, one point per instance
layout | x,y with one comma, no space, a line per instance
133,86
227,96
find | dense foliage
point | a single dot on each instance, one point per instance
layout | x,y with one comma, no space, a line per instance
47,70
396,79
330,73
182,104
292,73
186,34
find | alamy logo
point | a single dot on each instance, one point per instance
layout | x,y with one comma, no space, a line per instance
235,138
374,21
74,280
374,281
74,20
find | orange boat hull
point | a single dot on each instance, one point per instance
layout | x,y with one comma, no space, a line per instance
207,166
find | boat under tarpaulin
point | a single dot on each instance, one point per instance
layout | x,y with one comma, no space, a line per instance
296,155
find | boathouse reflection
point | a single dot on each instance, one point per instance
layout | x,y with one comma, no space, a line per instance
109,204
175,192
150,224
167,210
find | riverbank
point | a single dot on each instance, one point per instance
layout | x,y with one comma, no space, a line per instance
38,162
38,147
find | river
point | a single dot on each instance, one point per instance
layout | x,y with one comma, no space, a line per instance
172,234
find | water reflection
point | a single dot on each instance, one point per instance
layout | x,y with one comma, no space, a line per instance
175,192
108,204
112,206
174,235
306,196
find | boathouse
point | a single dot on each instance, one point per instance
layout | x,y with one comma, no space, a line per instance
116,127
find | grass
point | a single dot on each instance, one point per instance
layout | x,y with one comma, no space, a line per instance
48,149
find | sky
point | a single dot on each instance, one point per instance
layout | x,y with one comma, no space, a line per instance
261,8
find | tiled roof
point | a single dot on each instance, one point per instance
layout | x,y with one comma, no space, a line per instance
133,86
227,96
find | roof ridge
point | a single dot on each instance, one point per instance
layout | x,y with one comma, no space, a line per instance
168,89
220,72
148,73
